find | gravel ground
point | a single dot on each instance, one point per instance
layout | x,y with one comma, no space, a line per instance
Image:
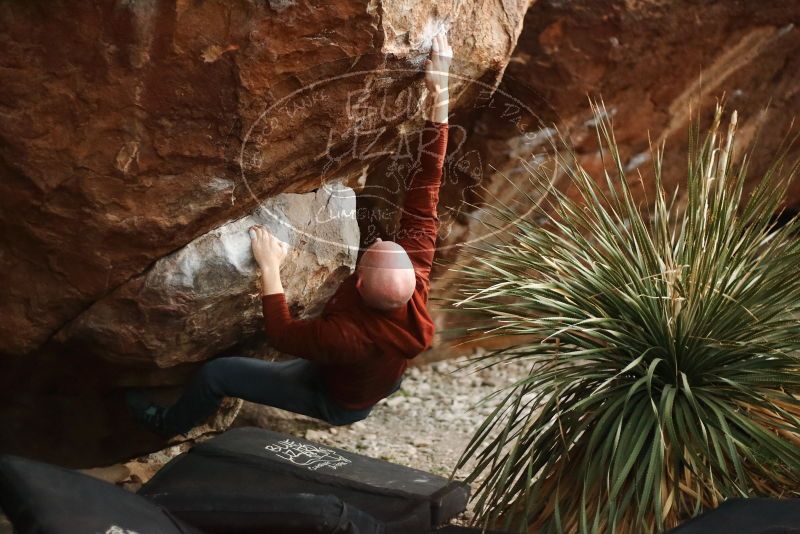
428,423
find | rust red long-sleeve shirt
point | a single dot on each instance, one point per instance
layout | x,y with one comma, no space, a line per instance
363,351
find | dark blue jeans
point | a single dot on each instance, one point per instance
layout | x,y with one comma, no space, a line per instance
293,385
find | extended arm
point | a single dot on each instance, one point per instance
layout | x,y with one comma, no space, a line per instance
419,222
437,80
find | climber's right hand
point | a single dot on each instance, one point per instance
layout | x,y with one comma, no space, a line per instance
268,250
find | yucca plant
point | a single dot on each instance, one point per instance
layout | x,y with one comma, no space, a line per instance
663,339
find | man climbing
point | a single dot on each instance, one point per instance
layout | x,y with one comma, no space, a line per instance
355,353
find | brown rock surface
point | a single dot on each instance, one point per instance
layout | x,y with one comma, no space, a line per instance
134,135
123,123
131,132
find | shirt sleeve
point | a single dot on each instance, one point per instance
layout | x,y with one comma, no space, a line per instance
419,222
325,340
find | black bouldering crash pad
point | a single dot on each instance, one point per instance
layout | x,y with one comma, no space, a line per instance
248,469
746,516
39,498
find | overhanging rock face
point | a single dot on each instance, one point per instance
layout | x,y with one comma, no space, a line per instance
126,128
137,140
204,297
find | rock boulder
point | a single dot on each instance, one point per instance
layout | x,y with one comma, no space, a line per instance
137,140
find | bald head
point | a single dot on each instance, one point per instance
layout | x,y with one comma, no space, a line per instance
385,276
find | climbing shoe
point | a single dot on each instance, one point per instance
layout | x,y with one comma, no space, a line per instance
146,412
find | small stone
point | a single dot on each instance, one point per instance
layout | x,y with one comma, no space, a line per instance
314,435
113,474
489,381
421,442
395,401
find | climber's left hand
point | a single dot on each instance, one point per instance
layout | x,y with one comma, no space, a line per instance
437,68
